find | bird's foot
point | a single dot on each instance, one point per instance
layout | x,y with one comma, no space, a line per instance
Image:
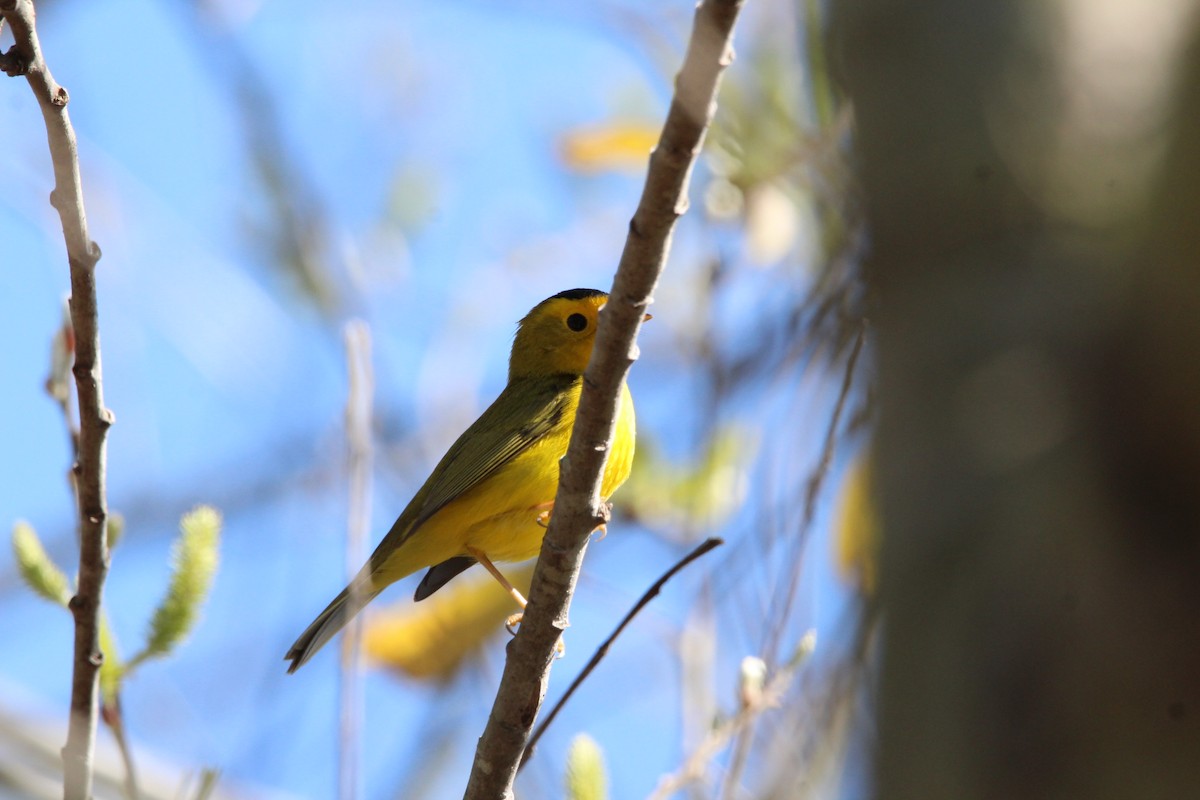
605,514
543,517
513,622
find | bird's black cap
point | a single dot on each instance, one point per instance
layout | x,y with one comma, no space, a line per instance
577,294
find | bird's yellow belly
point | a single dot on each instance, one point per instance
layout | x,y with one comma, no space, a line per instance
504,524
620,460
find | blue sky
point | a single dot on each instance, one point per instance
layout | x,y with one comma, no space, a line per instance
428,135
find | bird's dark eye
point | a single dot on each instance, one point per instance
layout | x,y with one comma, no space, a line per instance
577,322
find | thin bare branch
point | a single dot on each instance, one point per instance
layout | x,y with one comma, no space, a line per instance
114,717
25,58
815,481
577,508
708,544
783,610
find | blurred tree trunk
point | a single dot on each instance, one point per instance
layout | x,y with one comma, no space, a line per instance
1039,447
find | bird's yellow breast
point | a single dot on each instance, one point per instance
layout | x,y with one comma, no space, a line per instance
500,515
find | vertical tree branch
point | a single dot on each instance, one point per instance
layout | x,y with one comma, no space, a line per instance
25,58
577,506
358,439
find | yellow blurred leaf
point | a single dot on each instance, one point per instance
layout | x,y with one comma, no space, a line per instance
618,146
701,493
856,529
430,640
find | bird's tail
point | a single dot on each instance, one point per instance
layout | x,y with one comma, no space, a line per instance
329,622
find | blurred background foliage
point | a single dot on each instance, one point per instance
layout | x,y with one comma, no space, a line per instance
257,176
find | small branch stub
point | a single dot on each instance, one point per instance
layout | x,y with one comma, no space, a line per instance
13,64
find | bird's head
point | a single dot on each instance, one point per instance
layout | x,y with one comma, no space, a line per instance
556,337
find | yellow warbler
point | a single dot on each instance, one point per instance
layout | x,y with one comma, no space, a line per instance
489,497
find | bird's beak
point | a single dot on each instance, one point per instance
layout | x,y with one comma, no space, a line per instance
647,318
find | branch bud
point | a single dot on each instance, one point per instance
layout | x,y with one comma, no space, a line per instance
194,562
586,779
36,568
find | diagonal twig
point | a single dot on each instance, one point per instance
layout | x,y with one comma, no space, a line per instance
577,506
708,544
815,481
25,58
812,490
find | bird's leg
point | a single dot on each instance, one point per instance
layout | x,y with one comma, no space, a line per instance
499,576
514,620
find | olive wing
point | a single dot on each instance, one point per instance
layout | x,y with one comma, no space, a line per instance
524,413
